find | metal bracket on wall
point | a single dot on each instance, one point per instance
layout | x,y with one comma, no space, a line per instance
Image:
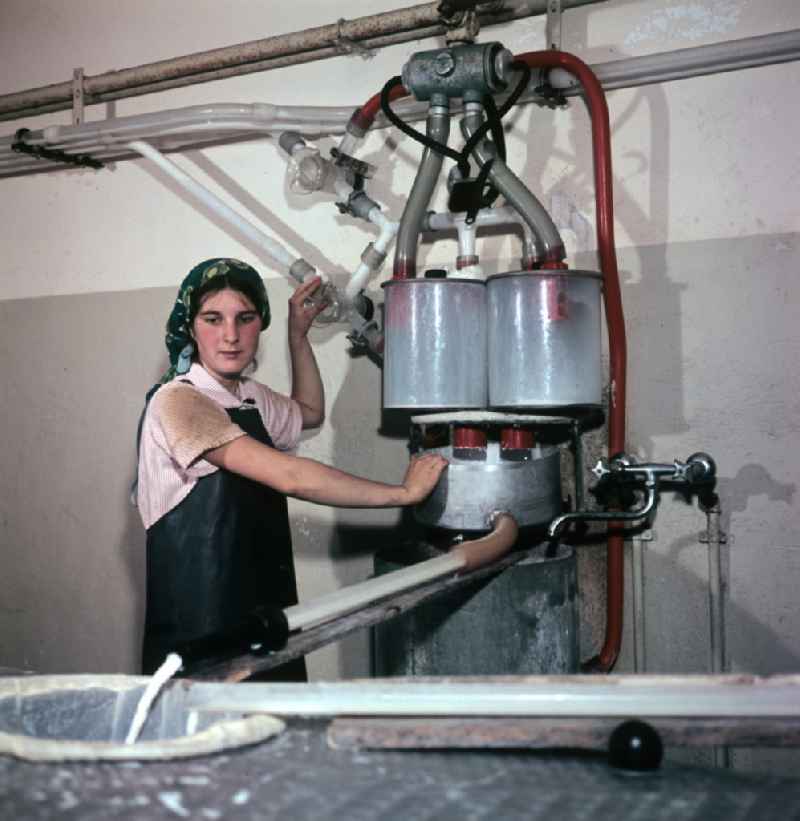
553,26
77,96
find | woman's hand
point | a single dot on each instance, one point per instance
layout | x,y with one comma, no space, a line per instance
422,475
303,308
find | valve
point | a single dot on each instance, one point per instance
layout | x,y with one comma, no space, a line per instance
698,468
622,472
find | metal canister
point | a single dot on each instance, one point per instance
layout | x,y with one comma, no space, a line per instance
544,339
470,491
435,344
523,621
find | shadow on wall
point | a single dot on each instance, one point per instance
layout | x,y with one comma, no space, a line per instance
132,540
677,607
751,480
677,626
360,447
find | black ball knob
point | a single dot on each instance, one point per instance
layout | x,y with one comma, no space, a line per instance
269,627
635,745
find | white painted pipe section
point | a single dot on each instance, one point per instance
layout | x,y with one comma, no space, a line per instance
637,593
502,216
733,55
446,221
274,250
545,696
349,599
716,609
716,604
388,231
466,238
466,556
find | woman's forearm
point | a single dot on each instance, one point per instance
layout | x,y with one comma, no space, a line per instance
315,482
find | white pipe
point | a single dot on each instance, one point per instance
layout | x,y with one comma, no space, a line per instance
732,55
466,238
465,556
388,231
637,591
274,250
348,599
547,696
504,215
716,609
349,143
716,605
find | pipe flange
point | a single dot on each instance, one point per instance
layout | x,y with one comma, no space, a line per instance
486,417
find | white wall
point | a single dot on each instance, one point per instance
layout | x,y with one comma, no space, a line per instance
706,173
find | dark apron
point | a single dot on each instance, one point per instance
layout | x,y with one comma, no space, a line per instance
223,551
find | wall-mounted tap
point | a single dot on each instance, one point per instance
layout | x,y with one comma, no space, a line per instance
699,470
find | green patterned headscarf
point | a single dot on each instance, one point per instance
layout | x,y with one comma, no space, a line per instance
179,339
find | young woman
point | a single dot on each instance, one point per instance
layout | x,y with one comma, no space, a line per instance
213,468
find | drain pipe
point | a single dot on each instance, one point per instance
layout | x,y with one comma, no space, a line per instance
615,322
714,537
297,268
438,128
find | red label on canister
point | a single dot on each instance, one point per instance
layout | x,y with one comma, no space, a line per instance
555,298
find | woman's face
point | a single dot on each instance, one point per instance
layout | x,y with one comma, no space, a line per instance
226,331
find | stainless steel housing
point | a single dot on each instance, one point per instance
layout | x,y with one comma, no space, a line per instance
470,491
544,339
435,349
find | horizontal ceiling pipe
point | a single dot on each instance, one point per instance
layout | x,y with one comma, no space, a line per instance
235,121
630,72
331,40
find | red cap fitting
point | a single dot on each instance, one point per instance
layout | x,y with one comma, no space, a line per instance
466,261
516,439
469,437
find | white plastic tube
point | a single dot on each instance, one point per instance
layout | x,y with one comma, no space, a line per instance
349,599
504,215
469,555
388,231
547,696
274,250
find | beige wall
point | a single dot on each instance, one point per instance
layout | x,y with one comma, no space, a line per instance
706,173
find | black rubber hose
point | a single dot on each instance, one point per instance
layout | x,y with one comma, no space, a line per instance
438,147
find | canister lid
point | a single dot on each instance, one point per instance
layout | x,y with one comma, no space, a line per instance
566,273
434,281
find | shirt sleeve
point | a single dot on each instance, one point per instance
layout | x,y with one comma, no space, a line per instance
191,423
283,419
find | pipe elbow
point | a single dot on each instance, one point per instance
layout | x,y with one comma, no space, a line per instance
489,548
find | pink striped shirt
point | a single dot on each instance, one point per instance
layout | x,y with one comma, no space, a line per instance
170,467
